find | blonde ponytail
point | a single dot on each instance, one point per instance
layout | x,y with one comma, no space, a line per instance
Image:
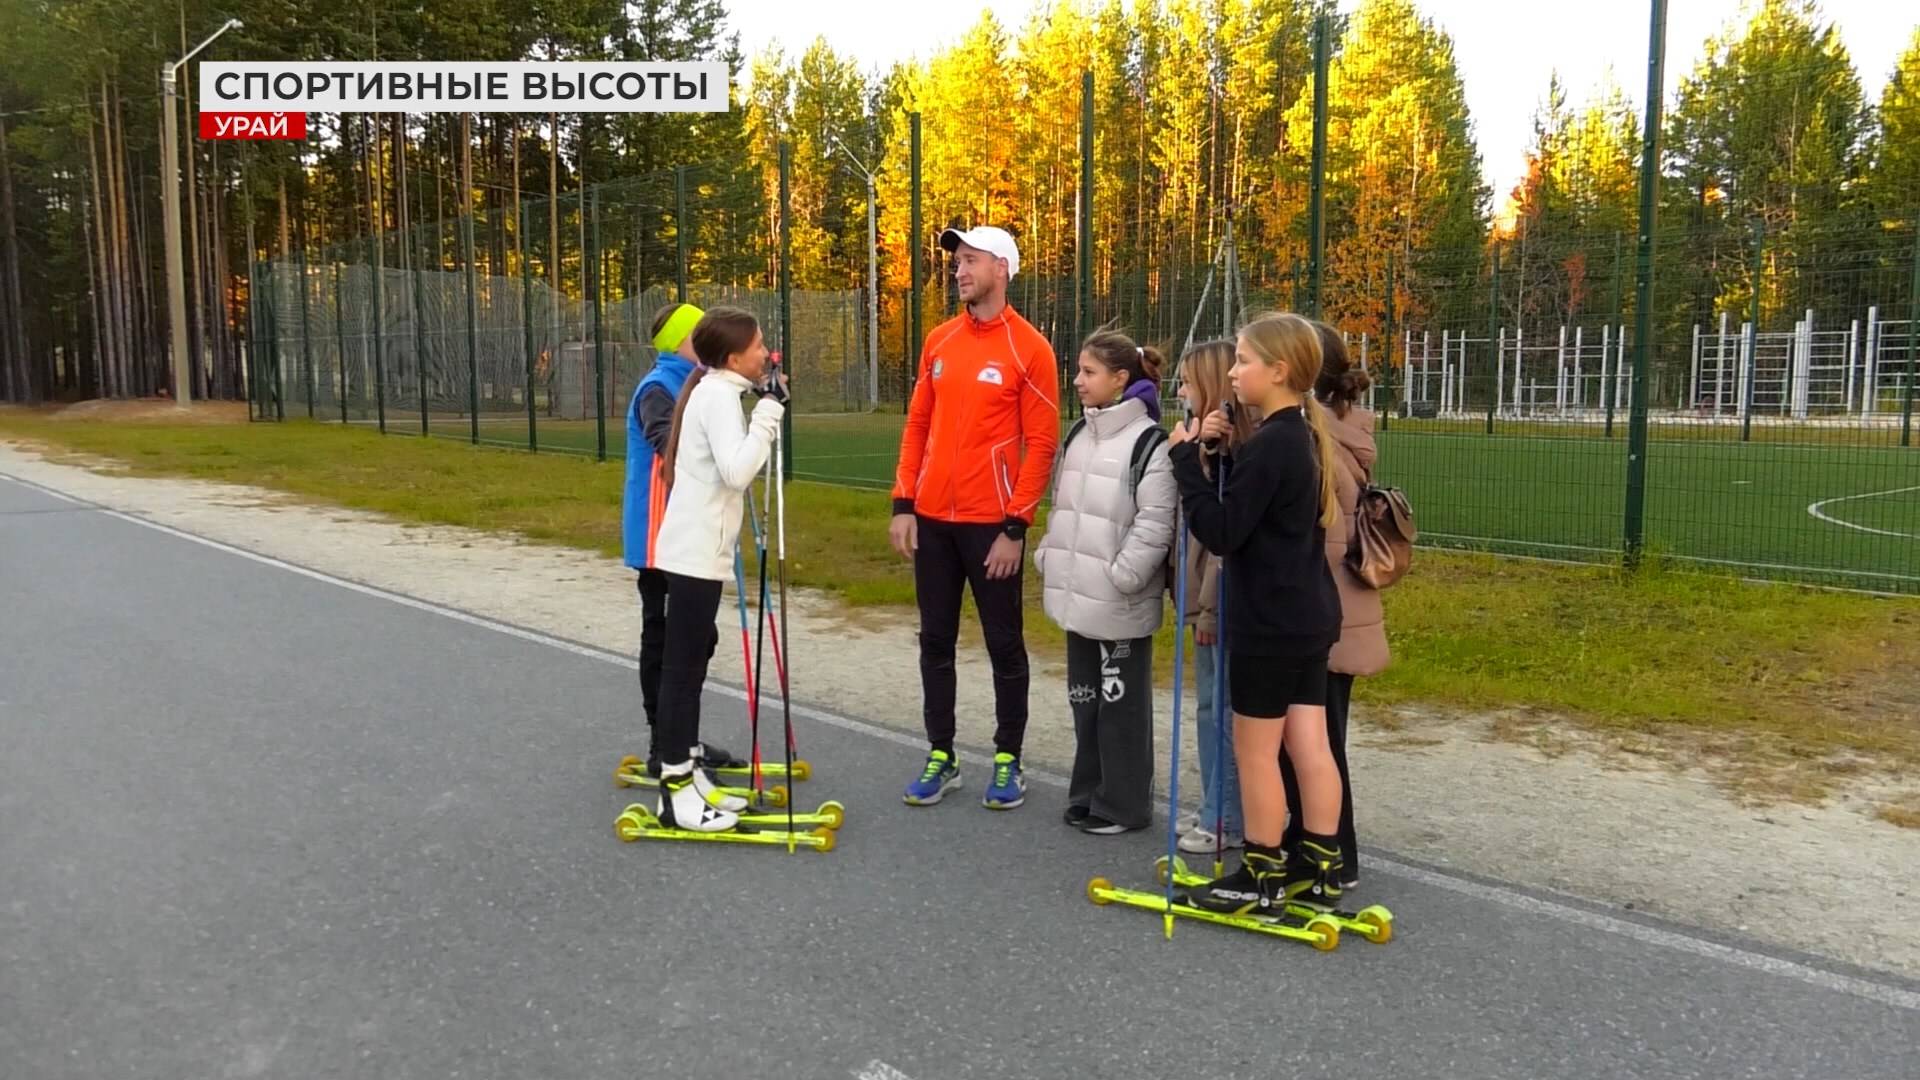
1323,456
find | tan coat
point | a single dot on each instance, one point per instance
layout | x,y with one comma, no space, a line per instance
1203,584
1362,648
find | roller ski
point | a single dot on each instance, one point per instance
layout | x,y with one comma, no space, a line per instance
1320,932
633,772
1374,923
686,811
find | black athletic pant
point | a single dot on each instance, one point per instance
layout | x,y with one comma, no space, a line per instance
1110,690
1339,697
952,557
653,641
692,604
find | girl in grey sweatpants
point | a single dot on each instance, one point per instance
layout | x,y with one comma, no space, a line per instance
1103,565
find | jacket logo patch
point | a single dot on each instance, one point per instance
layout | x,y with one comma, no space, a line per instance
939,365
991,375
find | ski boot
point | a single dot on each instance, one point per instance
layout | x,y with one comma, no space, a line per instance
1252,887
1311,878
684,805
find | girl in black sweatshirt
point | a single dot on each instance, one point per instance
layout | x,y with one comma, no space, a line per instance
1270,527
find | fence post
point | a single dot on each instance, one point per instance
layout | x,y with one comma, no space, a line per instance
1316,181
276,354
526,321
380,331
1386,352
419,275
679,235
256,405
1635,532
306,331
1913,337
1753,330
1084,247
786,302
1494,342
593,275
916,244
340,335
473,328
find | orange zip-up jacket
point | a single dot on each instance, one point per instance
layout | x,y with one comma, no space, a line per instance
984,423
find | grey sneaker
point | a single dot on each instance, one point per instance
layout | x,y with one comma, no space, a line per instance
1201,841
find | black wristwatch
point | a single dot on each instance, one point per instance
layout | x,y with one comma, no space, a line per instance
1014,528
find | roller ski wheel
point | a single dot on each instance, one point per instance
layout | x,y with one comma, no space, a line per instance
638,822
1320,932
631,772
830,816
1374,922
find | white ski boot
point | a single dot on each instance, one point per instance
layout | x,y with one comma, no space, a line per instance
684,805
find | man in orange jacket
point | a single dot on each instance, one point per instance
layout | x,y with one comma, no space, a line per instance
975,460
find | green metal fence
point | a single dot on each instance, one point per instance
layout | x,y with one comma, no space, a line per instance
1661,355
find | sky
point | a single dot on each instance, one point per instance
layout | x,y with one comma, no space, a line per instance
1506,49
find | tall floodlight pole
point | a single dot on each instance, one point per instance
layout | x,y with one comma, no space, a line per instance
170,179
873,281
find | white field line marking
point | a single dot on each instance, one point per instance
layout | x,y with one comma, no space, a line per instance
1816,510
1657,937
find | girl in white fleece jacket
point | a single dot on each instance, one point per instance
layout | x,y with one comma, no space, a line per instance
712,457
1104,562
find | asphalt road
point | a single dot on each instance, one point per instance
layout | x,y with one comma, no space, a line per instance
253,823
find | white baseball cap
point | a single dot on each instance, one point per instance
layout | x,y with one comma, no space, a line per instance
996,242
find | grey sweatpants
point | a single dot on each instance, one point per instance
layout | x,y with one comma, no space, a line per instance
1110,686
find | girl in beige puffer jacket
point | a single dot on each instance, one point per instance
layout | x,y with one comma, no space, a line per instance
1103,564
1362,648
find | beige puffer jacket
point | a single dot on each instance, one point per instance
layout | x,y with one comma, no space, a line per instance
1103,560
1362,648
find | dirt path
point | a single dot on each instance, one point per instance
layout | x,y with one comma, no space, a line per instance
1830,879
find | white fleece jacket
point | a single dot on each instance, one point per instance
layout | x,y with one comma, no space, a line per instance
719,454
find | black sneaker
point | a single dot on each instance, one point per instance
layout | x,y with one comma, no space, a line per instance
1095,825
1075,815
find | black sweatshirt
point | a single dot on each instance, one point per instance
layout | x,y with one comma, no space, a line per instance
1279,594
656,416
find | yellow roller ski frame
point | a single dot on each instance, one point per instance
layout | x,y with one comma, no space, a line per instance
637,822
1321,933
632,772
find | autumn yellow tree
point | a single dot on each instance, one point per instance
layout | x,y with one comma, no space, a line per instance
1403,180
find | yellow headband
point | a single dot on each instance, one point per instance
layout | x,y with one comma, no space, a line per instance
679,325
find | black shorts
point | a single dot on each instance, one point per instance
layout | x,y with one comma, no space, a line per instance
1264,687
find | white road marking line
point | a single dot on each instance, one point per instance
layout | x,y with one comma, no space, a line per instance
879,1070
1883,993
1816,510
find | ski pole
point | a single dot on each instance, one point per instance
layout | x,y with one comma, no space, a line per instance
1179,656
759,644
746,654
1220,711
779,651
786,700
